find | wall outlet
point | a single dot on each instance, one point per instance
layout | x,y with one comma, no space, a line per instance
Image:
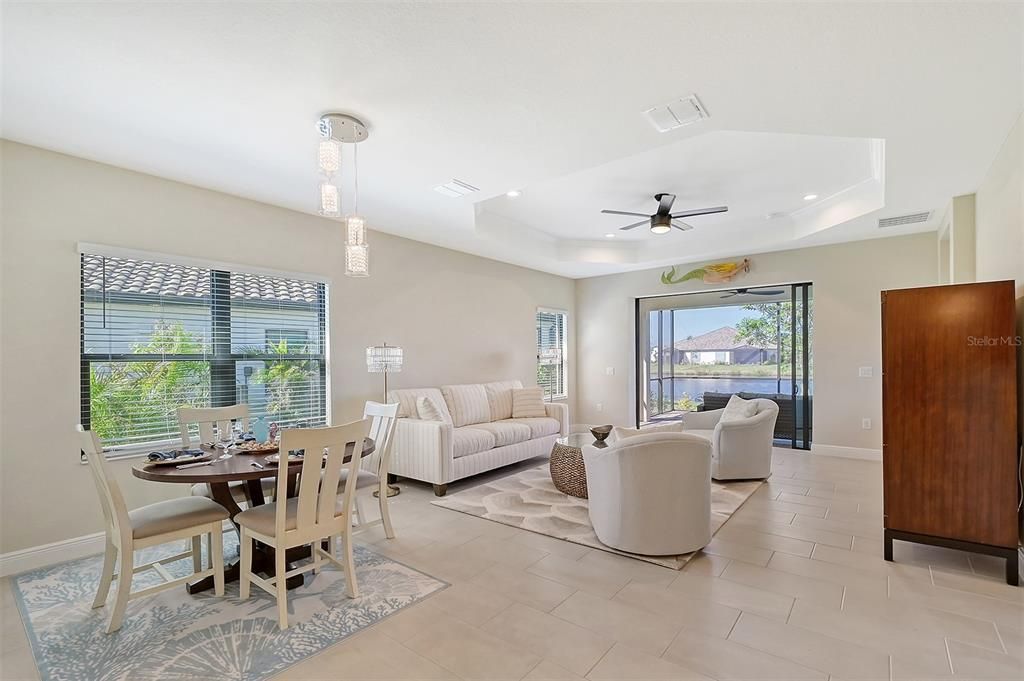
865,424
865,372
600,407
609,371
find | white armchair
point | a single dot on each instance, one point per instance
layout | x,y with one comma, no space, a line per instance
740,449
651,494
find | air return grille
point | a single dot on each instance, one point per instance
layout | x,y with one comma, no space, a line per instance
909,219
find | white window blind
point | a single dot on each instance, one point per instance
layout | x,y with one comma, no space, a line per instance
551,352
156,336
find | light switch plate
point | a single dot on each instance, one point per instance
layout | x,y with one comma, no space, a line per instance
865,424
865,372
610,371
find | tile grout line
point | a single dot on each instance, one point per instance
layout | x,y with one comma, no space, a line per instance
949,658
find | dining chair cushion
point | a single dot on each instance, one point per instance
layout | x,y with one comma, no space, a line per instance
174,514
365,479
262,519
237,489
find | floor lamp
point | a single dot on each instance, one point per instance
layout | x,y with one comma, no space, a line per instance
384,359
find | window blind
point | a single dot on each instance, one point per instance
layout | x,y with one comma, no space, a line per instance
551,352
156,336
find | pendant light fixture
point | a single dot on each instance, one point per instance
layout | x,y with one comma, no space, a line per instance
337,129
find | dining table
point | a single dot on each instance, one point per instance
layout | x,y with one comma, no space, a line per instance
238,467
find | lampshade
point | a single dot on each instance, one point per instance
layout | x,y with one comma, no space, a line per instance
355,228
550,356
382,359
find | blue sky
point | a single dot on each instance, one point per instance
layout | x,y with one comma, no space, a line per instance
701,320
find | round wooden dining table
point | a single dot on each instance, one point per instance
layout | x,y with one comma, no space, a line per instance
219,474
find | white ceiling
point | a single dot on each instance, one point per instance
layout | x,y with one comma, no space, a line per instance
539,96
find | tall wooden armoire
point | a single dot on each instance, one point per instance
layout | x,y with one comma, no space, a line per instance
949,418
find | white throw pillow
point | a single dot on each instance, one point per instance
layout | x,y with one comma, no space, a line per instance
467,404
738,409
528,403
619,432
428,410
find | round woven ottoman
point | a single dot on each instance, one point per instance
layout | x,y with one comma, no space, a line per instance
568,473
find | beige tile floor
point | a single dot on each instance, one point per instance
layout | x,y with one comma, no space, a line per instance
792,587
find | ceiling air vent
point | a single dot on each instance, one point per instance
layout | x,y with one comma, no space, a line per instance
676,114
455,189
909,219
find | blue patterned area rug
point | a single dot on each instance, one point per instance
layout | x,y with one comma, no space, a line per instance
176,636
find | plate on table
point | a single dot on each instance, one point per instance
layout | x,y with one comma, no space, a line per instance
182,456
254,447
275,459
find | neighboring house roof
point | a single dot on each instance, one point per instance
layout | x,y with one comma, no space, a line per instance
719,340
162,279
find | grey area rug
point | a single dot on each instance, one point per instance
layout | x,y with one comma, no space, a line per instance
176,636
529,500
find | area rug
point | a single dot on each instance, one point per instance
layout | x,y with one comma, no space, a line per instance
528,500
176,636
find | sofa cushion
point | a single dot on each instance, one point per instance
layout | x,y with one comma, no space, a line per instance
738,409
528,403
499,396
507,432
706,434
467,404
433,409
466,441
620,432
407,397
540,426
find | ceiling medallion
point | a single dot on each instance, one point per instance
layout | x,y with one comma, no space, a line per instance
337,129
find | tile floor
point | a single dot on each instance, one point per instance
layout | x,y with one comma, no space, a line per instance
792,587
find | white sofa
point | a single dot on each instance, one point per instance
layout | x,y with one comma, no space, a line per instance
651,494
477,433
740,449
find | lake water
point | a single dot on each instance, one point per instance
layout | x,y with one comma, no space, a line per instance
696,387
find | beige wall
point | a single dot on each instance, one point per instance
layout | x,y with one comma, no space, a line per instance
847,280
460,318
999,230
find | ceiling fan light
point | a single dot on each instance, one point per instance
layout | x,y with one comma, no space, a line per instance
659,226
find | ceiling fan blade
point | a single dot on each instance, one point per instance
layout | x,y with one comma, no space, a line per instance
665,203
682,226
730,295
773,292
624,212
702,211
636,224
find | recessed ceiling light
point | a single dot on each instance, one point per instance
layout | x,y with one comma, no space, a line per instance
609,236
513,193
810,197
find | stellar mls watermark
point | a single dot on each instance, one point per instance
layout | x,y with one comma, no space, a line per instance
993,341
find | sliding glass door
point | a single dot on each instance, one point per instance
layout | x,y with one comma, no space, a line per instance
696,350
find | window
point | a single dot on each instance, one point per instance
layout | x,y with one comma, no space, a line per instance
551,353
156,336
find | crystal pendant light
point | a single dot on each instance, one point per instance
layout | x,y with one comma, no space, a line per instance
357,260
330,201
337,129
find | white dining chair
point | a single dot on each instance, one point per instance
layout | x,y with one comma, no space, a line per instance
159,523
373,471
317,513
211,422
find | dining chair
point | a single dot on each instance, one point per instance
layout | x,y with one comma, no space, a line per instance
315,514
373,471
211,422
152,525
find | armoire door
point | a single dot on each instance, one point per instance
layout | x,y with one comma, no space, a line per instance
949,412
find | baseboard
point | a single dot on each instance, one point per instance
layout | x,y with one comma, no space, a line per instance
847,452
16,562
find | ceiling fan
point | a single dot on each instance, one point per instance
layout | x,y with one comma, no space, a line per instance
754,292
663,220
